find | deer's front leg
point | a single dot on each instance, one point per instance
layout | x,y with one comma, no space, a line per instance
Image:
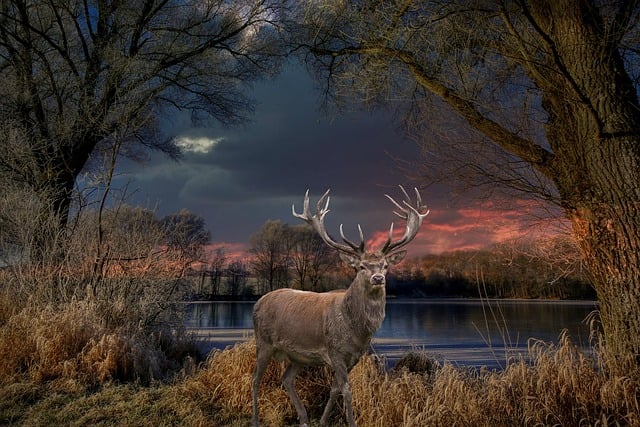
263,357
288,382
340,386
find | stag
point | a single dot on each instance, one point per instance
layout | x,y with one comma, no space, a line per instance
331,328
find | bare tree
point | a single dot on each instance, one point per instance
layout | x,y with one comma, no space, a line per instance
80,75
186,232
537,97
237,277
271,248
311,258
217,267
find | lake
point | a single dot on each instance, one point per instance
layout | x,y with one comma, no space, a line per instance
460,331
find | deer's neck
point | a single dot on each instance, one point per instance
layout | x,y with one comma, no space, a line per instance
364,306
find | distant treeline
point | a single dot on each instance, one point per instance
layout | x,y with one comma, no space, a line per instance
549,269
439,285
285,256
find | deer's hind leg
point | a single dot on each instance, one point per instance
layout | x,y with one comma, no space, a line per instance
264,354
288,381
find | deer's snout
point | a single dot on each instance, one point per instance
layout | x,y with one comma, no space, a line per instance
377,279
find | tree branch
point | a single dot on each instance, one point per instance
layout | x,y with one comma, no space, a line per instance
525,149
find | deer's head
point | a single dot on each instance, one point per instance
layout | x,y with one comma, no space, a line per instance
372,266
368,265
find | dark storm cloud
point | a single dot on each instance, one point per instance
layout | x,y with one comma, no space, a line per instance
237,178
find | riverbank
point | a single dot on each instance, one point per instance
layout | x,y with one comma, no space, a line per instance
464,332
560,386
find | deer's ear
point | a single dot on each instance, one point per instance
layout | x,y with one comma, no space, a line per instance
350,260
396,257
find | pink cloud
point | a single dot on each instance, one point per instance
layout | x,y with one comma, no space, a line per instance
448,230
468,228
232,251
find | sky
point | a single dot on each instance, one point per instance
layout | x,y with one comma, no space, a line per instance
237,178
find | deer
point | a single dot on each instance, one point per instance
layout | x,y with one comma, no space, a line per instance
332,328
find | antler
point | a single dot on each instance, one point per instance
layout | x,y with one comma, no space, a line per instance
410,214
317,222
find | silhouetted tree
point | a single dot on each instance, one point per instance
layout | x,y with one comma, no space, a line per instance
271,249
237,277
216,269
186,232
81,76
311,258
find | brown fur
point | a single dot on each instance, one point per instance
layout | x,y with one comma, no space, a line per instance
332,328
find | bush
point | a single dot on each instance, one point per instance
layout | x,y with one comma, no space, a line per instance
70,342
96,302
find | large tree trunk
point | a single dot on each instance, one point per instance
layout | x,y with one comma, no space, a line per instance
610,247
56,187
616,275
594,131
606,222
47,244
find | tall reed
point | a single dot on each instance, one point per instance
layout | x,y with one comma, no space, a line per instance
558,386
70,341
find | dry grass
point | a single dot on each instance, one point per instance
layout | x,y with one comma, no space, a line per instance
225,385
559,387
68,342
72,404
59,370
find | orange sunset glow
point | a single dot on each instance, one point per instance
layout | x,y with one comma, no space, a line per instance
464,229
444,231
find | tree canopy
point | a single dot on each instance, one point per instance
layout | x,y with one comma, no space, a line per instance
81,76
538,97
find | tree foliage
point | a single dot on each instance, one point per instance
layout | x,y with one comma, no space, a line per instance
81,76
537,97
293,256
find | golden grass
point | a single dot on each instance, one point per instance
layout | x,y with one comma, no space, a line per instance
560,386
68,366
225,385
68,342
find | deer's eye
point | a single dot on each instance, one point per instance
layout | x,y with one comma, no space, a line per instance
362,267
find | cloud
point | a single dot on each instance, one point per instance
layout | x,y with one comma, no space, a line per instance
200,145
237,178
255,172
230,251
475,226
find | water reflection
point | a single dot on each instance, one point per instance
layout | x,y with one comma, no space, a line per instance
465,332
220,315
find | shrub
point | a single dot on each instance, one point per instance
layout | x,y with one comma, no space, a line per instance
95,303
70,342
